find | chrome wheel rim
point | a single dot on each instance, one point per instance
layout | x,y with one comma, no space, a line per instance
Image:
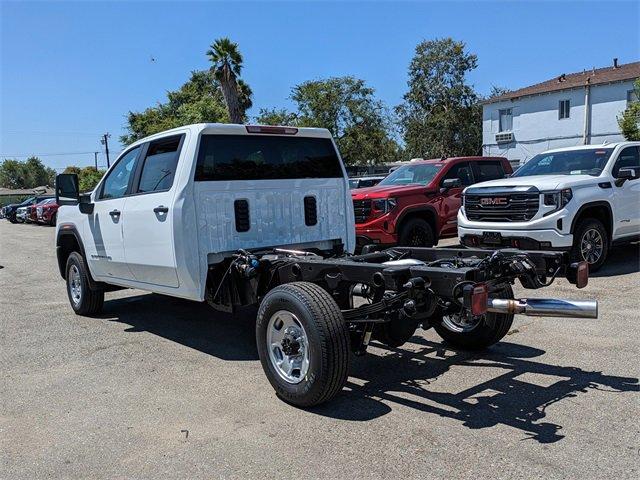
459,323
75,285
288,347
591,245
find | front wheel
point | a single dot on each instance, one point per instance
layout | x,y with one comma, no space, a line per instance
417,232
475,333
590,243
83,299
303,343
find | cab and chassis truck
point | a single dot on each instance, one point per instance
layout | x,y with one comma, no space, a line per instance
240,215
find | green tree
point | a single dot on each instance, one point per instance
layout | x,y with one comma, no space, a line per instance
198,100
227,65
441,115
349,110
629,121
25,175
89,178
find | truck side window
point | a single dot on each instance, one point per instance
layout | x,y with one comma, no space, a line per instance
489,171
160,164
627,158
461,171
116,183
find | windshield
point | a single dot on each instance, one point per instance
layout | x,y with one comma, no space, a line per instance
420,174
570,162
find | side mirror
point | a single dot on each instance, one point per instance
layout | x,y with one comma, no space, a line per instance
626,173
85,204
67,189
450,183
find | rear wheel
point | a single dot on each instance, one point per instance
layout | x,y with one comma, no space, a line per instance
83,299
417,232
303,343
590,243
52,221
475,333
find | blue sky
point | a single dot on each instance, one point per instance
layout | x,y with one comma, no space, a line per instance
70,71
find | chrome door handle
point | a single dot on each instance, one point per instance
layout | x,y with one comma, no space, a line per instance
114,213
161,209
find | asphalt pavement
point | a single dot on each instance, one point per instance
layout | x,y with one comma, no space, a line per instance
158,387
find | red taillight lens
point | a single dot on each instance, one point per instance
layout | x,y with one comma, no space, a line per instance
476,297
271,130
582,274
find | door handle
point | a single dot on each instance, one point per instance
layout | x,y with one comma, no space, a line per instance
161,209
114,213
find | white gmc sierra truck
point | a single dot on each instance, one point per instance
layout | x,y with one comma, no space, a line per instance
240,215
579,199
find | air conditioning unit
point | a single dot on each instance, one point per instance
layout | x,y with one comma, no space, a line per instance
504,137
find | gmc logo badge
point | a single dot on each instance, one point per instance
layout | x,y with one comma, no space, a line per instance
494,201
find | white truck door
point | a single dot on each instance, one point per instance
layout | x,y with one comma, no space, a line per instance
104,243
627,196
148,232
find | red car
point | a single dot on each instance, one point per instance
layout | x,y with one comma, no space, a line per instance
47,211
418,203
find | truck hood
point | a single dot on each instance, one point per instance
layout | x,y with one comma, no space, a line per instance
386,191
541,182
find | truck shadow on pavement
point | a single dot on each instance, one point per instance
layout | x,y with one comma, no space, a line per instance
621,261
410,378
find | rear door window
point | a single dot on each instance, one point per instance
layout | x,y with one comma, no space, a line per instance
159,165
488,171
262,157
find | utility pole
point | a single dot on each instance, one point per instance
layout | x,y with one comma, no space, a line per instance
95,159
105,142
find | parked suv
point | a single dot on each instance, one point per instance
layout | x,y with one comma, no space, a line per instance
10,211
47,212
582,199
418,202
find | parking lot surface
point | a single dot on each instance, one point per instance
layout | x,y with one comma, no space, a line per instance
163,388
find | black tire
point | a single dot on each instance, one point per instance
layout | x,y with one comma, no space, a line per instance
491,329
327,337
89,302
52,220
590,230
416,232
13,220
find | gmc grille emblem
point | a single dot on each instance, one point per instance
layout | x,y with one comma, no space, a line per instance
494,201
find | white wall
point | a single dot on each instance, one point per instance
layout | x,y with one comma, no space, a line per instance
536,126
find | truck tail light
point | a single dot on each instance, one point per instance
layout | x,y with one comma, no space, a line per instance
475,297
578,274
271,130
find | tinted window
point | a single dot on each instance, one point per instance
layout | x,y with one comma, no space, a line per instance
160,165
569,162
418,174
628,158
461,171
259,157
489,171
117,180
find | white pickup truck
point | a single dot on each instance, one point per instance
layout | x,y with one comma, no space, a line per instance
240,215
579,199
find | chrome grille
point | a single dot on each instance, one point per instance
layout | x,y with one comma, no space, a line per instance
362,210
519,207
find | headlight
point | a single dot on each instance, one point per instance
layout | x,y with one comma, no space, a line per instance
383,205
557,199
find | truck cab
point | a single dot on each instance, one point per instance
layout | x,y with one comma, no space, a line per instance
175,204
579,199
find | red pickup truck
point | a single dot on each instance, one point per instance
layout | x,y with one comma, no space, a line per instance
418,203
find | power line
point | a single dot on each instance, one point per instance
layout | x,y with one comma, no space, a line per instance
43,154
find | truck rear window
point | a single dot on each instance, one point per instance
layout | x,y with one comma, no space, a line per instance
259,157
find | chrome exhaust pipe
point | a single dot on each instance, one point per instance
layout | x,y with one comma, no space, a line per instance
545,307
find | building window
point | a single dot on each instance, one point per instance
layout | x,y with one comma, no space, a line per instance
506,119
632,96
563,109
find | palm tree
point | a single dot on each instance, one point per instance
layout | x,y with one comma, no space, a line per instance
227,64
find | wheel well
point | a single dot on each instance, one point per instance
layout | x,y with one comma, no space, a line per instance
600,212
427,215
66,245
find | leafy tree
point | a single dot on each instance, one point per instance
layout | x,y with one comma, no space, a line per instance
498,91
88,177
629,121
25,175
198,100
440,115
349,110
227,65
